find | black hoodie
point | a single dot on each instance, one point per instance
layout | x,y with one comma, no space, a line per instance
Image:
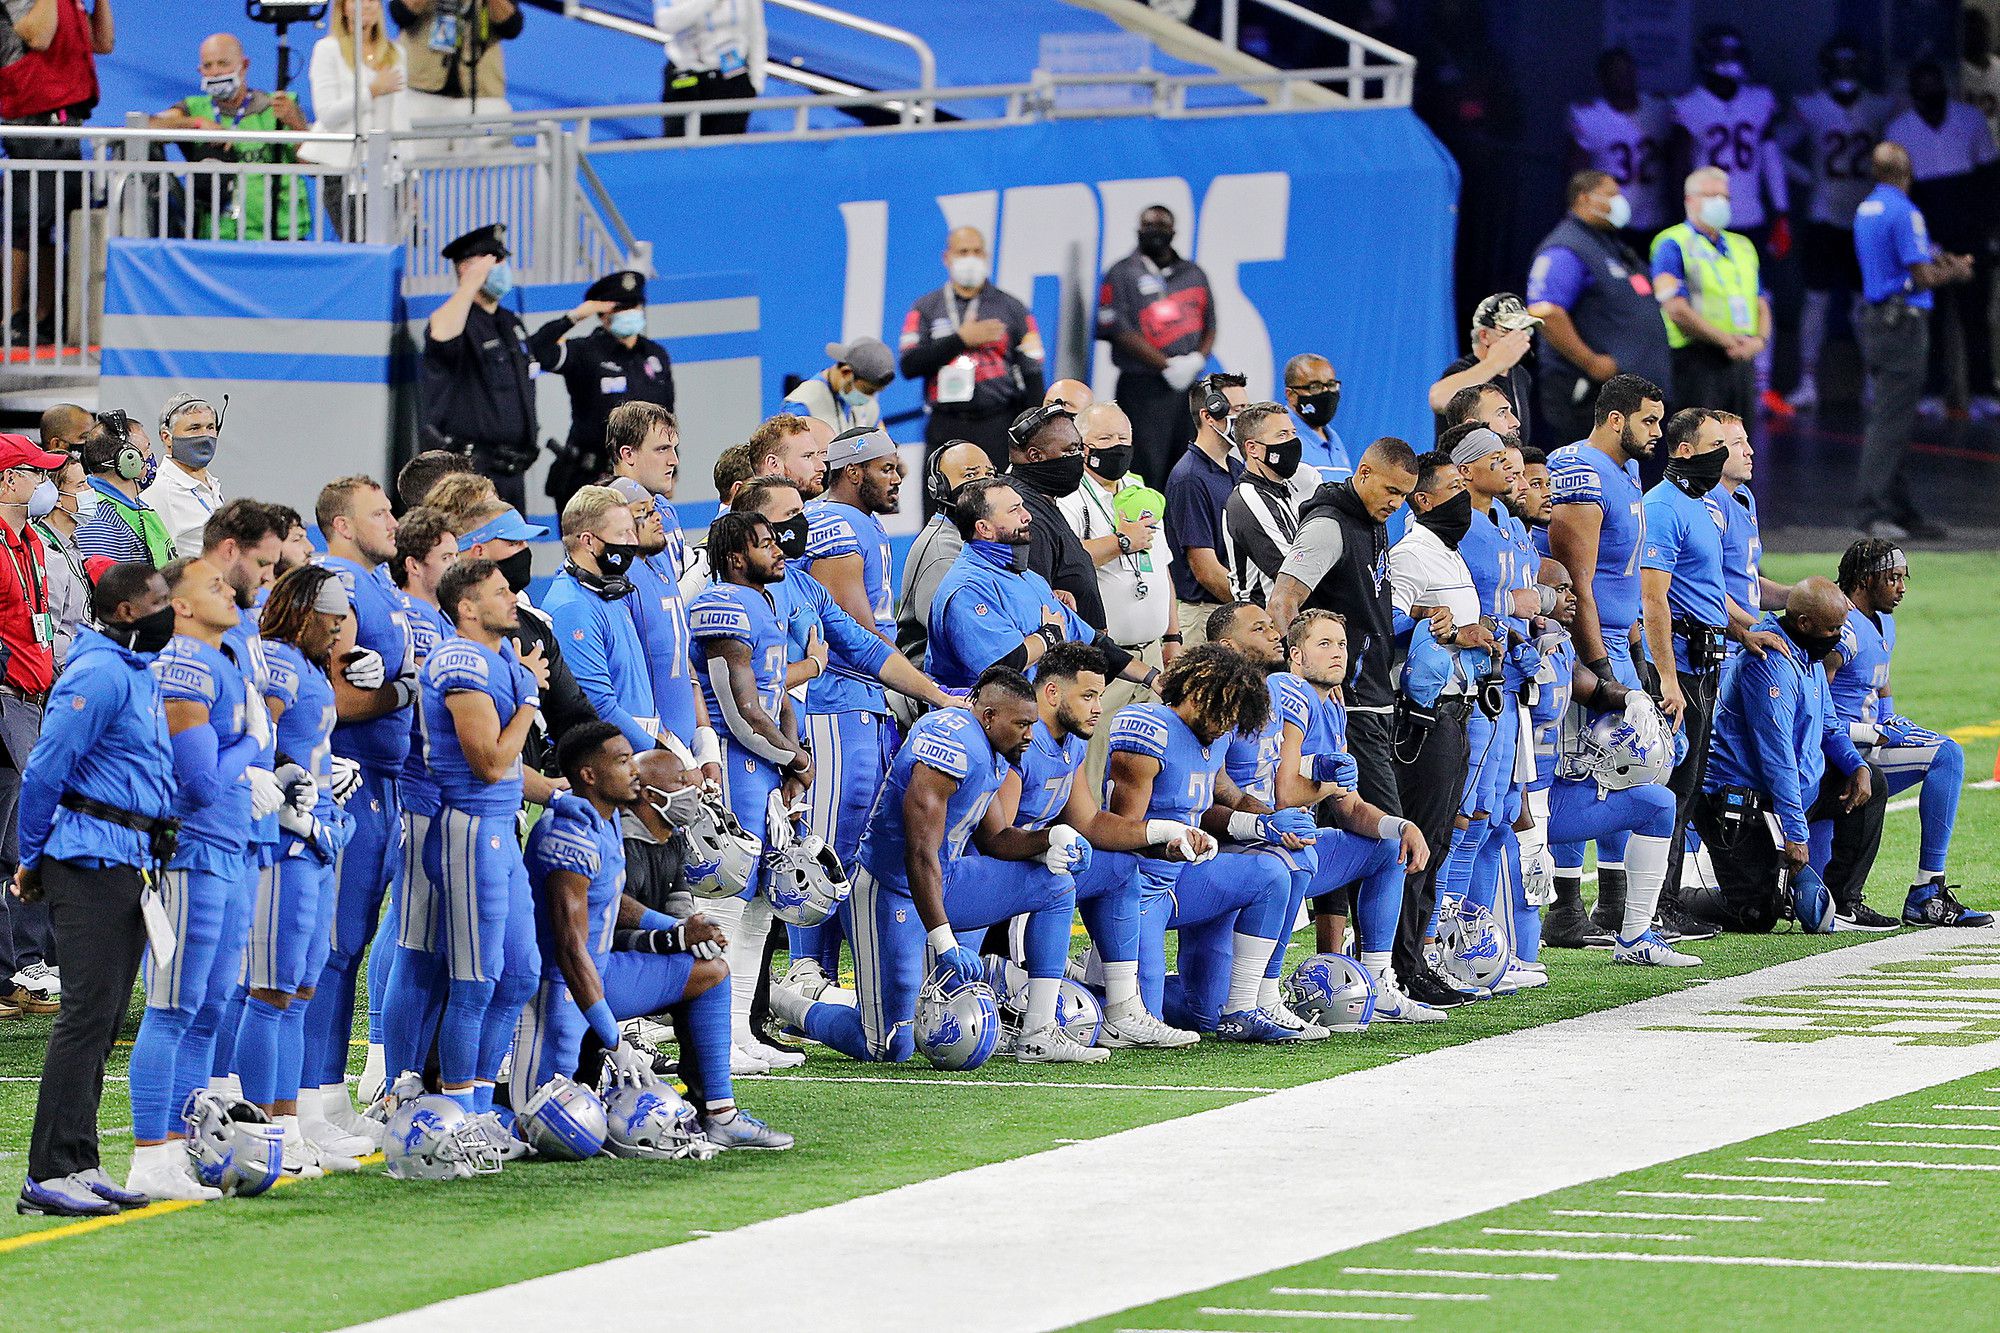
1358,588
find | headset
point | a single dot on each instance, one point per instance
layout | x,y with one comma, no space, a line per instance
1032,420
128,462
935,486
1215,403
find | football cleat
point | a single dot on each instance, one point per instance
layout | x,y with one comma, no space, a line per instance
1570,927
743,1130
166,1176
1674,923
332,1140
1520,977
1934,904
1054,1045
1251,1025
1282,1014
744,1061
339,1112
1332,992
773,1057
1863,917
806,978
429,1137
1649,950
1392,1005
502,1138
563,1120
1130,1026
1429,988
66,1196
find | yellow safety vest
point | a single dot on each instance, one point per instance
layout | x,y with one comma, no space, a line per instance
1721,283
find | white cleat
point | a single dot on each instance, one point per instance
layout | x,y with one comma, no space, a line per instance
1520,977
744,1061
1054,1046
165,1177
774,1057
806,979
1649,950
339,1112
302,1161
331,1141
1130,1027
1284,1017
1392,1006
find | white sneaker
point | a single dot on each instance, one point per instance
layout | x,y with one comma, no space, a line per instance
743,1060
41,980
1806,396
1283,1015
160,1172
1392,1006
1128,1026
774,1057
339,1112
330,1140
1519,976
374,1075
301,1160
806,978
1649,950
1054,1046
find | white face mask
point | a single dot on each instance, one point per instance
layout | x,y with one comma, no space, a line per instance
1714,213
970,271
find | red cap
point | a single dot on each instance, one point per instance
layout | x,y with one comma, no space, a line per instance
95,566
20,451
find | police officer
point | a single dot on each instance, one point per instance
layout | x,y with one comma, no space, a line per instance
615,363
94,796
477,397
1706,278
1595,300
1899,267
976,349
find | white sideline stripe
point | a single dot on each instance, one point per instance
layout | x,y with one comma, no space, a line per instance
1964,1106
1907,803
1572,1235
1780,1180
1903,1143
37,1078
1729,1260
1924,1124
969,1084
1363,1316
867,1261
1730,1198
1467,1274
1382,1293
1655,1217
1913,1166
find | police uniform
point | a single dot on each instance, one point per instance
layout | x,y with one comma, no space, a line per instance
477,395
1890,237
601,373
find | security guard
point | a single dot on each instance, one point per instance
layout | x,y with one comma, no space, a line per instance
615,363
477,396
1718,317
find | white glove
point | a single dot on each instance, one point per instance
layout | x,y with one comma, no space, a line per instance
1066,848
266,792
1181,371
627,1065
293,820
257,721
1864,733
1186,843
1639,707
301,790
345,779
366,671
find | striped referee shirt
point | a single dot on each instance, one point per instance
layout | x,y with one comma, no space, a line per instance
1258,524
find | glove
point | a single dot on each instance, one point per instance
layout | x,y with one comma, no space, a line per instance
301,790
344,780
1183,370
266,793
1068,853
1338,768
1538,877
293,820
960,966
627,1065
1295,821
700,949
1186,843
531,693
1639,710
366,671
257,721
1896,730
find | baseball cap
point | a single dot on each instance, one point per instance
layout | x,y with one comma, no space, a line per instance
20,451
869,357
1505,311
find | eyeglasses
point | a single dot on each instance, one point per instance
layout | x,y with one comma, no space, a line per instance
1317,386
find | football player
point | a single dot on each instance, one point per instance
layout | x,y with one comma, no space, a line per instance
1624,134
605,958
1725,121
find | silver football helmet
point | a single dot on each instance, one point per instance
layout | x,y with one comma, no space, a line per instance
564,1120
646,1118
430,1137
957,1027
1471,951
720,858
1618,753
802,877
1332,990
234,1146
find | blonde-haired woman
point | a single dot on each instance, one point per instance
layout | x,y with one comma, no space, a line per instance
384,76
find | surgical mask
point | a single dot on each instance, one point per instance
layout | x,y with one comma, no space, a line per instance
1282,457
1051,476
1450,520
499,280
969,271
854,398
1714,212
1699,475
1156,243
1317,409
1815,646
192,451
518,569
791,536
44,500
1618,213
627,323
86,502
223,87
146,635
1110,462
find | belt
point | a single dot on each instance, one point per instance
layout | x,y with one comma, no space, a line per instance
112,814
63,116
38,699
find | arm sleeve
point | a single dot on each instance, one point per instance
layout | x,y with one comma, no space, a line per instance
1315,551
1557,276
829,535
1913,244
1116,659
589,659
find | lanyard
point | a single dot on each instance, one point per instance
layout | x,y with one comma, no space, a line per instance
28,583
1131,562
951,306
69,556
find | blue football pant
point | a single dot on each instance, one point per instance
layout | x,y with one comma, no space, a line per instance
852,753
1493,743
413,1000
1568,854
549,1039
1236,892
165,1066
290,936
887,938
491,953
1940,768
1107,900
363,872
213,1032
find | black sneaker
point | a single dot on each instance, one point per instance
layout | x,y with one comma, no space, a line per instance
1572,928
1427,987
1933,904
1862,917
1683,924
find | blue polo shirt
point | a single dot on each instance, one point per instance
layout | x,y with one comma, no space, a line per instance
1684,540
1890,236
1196,492
1326,452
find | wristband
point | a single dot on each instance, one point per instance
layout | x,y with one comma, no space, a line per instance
652,920
1391,827
1051,634
603,1024
942,940
1173,638
1163,831
1243,826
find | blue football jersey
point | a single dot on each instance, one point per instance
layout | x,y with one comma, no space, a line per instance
749,616
192,672
1252,761
460,665
834,530
661,621
1490,553
1866,643
1048,772
1185,785
305,728
428,628
589,846
1546,714
1742,545
952,742
1581,474
382,743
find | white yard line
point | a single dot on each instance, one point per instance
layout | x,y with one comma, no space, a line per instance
1781,1180
1655,1217
870,1263
1726,1260
1467,1275
1964,1106
1925,1124
1360,1316
1382,1293
1595,1235
1904,1143
1727,1198
1909,1166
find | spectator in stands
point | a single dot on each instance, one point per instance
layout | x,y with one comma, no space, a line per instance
1262,514
475,397
1952,154
793,448
1197,493
184,494
385,74
64,426
1596,305
55,514
1502,333
615,363
236,208
118,457
1073,394
1979,68
456,69
844,395
976,349
949,471
1156,311
1709,285
1312,393
1045,464
54,83
715,53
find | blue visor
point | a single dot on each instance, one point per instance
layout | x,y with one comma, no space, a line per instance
507,526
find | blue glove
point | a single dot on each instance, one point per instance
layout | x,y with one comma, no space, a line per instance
1338,768
960,966
1295,821
1899,731
1080,855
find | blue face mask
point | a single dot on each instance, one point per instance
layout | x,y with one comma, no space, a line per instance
627,323
44,499
1001,554
855,398
499,281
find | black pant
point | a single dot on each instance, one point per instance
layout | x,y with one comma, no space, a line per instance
1162,424
1699,692
1430,786
1746,867
1961,327
1704,376
102,936
1371,740
691,85
1895,345
512,487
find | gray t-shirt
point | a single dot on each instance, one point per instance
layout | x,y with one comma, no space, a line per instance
1315,551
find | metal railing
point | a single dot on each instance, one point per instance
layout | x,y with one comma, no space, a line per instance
1390,69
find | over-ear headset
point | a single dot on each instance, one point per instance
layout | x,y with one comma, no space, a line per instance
1214,401
1034,419
935,486
128,462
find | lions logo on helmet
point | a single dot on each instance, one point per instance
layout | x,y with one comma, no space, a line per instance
564,1120
1077,1012
1616,753
234,1145
648,1119
1332,990
429,1137
957,1028
805,881
1471,951
720,858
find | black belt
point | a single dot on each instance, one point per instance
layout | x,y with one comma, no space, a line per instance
162,831
40,700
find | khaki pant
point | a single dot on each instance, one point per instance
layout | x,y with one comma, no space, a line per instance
1194,621
1117,694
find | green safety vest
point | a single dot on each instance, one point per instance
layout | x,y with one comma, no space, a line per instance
147,525
247,212
1721,283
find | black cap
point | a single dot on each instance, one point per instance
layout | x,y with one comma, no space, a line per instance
625,290
488,240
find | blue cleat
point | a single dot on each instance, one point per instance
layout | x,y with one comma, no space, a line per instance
1253,1025
1933,904
65,1196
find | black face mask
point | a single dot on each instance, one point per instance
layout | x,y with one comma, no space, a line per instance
1053,477
146,635
1283,457
1450,520
1699,475
1814,646
1317,409
518,569
617,558
791,536
1111,463
1156,244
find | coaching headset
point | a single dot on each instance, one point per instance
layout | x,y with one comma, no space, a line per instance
935,486
127,461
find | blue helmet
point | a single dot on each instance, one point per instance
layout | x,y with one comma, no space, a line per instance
1334,991
646,1118
429,1137
235,1147
564,1120
1812,902
957,1027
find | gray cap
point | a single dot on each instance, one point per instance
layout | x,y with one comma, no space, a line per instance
863,444
870,357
